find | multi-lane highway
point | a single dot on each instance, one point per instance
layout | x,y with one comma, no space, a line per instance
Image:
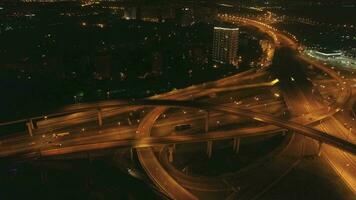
340,161
303,104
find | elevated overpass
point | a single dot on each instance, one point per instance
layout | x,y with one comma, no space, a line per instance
142,141
152,141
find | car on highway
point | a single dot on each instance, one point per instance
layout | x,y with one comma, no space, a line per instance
135,173
182,127
51,143
60,134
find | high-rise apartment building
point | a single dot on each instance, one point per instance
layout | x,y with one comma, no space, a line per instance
225,45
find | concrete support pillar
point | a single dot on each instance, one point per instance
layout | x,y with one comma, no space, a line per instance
284,132
100,118
44,176
90,158
32,125
186,170
131,154
170,154
29,128
319,148
236,146
87,181
207,121
209,148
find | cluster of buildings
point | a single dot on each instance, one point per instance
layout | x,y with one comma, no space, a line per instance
337,58
183,15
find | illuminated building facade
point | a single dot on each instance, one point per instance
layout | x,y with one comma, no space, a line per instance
225,45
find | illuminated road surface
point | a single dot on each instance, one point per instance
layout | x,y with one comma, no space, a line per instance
310,108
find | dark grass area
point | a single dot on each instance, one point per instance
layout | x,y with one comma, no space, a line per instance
311,179
72,179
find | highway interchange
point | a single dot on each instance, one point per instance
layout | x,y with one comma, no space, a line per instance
148,119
